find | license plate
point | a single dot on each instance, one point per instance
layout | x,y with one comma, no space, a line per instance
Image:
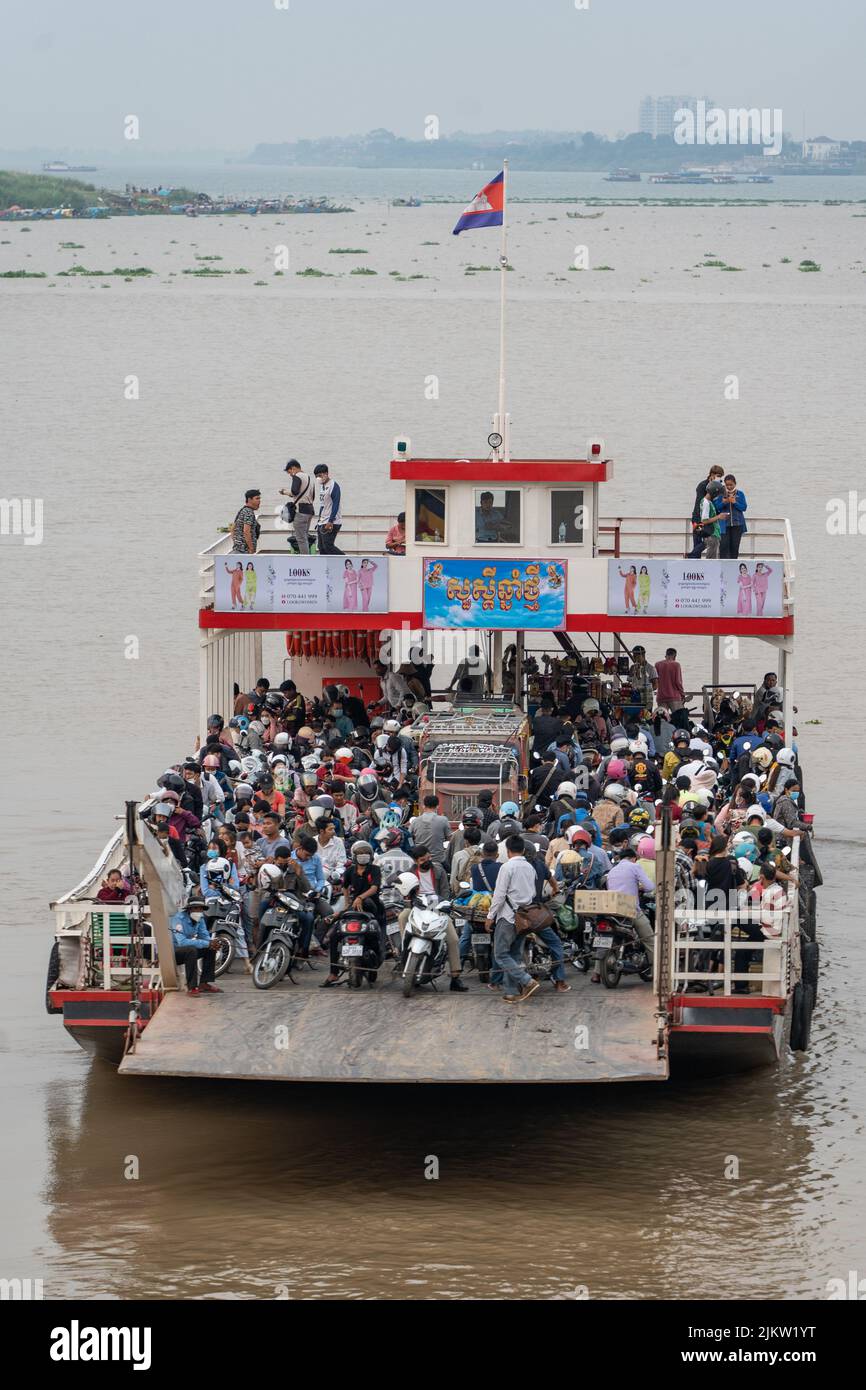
480,938
352,949
602,941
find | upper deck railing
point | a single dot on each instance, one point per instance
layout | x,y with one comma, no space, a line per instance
656,537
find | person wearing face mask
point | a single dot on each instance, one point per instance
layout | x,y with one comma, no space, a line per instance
432,876
362,880
194,947
214,852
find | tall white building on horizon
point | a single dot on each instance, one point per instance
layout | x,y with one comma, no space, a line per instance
656,115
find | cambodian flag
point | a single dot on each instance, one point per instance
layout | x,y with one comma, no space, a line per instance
485,210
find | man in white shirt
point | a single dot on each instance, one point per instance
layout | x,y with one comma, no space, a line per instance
332,852
515,887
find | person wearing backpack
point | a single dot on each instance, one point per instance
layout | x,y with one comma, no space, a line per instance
299,510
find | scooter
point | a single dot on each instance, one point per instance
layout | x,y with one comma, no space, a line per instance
359,947
223,916
424,954
392,905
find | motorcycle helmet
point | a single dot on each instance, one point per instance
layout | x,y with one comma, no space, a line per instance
367,785
750,779
344,754
614,791
309,780
171,781
762,757
774,742
634,841
756,810
268,876
680,738
380,743
618,745
362,850
747,849
391,726
218,869
406,884
325,802
639,818
646,847
388,838
616,769
509,809
281,742
306,734
377,722
577,835
590,707
318,816
472,815
564,789
689,830
714,489
163,808
172,798
711,763
211,763
235,768
786,757
273,702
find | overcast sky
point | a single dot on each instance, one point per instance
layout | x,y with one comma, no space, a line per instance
222,75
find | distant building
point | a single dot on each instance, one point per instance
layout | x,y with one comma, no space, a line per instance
822,147
657,115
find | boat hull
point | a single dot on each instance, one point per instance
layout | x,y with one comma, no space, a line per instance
715,1036
98,1020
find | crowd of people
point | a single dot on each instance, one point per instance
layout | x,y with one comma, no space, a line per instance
321,796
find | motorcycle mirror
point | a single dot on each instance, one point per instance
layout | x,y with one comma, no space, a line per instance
466,885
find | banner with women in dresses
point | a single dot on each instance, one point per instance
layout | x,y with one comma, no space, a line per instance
301,583
644,588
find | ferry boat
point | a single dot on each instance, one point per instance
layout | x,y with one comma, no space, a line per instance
550,587
623,176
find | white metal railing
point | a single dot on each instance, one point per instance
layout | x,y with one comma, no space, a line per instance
662,537
116,971
780,955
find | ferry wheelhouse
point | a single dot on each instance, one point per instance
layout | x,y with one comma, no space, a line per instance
517,558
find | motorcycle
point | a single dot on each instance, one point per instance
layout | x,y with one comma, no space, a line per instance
223,917
481,942
275,958
424,954
359,947
619,951
392,904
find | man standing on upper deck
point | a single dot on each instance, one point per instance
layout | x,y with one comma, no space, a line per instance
716,473
670,691
245,529
301,492
330,517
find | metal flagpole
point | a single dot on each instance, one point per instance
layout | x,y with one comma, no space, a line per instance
504,450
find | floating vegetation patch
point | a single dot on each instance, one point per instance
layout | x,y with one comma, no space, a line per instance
348,251
208,258
808,266
363,270
126,271
22,275
712,265
786,260
203,270
431,243
312,273
72,246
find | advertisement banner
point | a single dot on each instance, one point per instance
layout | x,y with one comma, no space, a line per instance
510,594
300,583
648,588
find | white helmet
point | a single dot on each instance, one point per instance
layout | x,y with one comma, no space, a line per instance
752,778
614,791
590,707
638,745
756,810
711,763
218,868
281,742
618,745
700,746
310,762
249,765
406,884
742,837
381,742
391,726
344,753
267,876
235,768
566,789
762,757
786,757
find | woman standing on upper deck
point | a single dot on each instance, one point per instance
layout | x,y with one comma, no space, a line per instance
731,507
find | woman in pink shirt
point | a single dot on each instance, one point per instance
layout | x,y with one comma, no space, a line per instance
350,587
365,581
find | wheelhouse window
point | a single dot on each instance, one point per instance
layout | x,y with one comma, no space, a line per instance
430,515
567,516
497,516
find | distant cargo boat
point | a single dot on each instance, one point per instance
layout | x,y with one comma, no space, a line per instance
59,166
623,176
760,178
